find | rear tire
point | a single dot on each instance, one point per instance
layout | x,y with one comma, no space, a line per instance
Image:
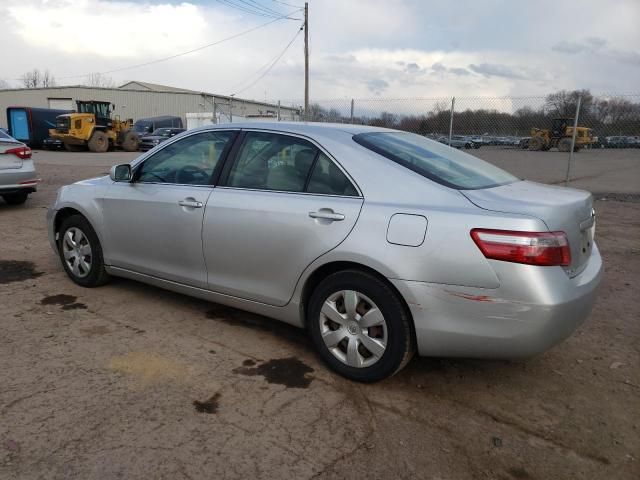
356,348
81,253
99,142
536,144
15,198
130,141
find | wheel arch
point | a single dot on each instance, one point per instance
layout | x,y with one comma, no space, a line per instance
323,271
68,211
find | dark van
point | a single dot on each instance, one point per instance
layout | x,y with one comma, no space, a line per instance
31,125
144,126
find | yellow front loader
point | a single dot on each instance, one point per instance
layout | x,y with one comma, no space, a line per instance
560,136
92,127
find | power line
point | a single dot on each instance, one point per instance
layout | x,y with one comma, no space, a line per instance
259,6
288,4
249,8
164,59
269,66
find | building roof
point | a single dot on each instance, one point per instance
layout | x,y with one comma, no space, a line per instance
154,87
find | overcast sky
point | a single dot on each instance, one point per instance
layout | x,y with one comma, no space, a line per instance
359,48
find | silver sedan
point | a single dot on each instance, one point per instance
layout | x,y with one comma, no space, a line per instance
381,243
18,177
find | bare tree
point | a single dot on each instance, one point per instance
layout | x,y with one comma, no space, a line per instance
100,80
35,79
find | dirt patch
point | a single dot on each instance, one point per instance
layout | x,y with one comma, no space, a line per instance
290,372
95,331
148,367
67,302
208,406
17,271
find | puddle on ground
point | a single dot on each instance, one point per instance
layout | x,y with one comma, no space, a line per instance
208,406
67,302
240,318
17,271
149,368
519,473
290,372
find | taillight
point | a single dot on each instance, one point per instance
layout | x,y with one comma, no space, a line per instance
21,152
531,248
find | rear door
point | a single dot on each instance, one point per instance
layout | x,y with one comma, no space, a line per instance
281,204
153,225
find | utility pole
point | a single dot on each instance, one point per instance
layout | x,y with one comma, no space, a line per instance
306,60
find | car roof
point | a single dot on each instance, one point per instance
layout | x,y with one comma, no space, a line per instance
308,128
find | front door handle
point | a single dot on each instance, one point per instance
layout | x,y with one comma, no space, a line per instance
191,203
327,214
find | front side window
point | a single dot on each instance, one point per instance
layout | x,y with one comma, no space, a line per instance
270,161
436,162
189,161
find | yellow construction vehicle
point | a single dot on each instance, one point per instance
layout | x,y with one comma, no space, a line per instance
92,126
560,136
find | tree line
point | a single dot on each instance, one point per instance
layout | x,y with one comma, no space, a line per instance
616,115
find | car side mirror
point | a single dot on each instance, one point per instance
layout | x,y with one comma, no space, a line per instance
120,173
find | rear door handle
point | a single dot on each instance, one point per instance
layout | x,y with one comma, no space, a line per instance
327,215
190,203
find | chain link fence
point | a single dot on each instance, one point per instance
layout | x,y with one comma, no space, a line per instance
612,120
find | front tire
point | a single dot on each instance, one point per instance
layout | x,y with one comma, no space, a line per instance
99,142
81,253
360,326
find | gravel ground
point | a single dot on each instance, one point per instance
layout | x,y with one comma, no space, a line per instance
129,381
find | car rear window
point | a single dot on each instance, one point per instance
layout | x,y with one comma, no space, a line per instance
440,163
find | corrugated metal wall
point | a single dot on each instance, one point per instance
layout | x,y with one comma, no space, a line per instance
138,103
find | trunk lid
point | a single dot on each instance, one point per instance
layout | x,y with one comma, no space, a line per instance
9,161
561,209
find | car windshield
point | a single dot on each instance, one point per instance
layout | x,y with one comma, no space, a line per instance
435,161
161,132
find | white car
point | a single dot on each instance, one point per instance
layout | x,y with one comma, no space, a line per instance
18,177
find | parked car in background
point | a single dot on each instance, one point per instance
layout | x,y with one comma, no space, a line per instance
618,141
457,141
524,143
145,126
157,137
18,177
325,227
52,144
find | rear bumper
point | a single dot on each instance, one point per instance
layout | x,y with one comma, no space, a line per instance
533,309
20,180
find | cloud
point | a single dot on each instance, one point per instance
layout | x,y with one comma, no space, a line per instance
438,67
460,71
589,44
413,68
140,29
377,86
497,70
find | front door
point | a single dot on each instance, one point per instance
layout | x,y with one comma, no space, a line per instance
153,225
282,203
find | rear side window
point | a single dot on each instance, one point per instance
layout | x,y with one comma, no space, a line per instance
434,161
328,179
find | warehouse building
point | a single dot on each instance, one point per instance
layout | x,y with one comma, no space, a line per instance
140,100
